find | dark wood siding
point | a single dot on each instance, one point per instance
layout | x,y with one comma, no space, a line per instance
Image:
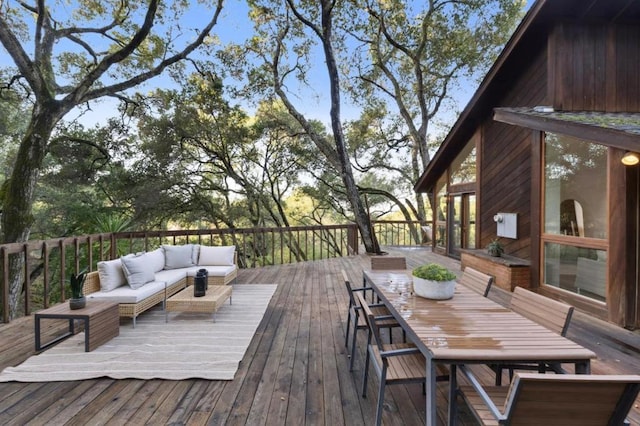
506,161
594,67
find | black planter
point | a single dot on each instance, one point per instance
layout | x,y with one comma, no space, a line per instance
200,285
77,303
206,277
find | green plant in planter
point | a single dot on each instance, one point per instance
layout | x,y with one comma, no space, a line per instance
76,282
433,272
495,248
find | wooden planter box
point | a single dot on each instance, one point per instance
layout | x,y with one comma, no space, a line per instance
508,272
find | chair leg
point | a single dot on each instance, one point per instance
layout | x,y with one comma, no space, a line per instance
354,339
498,371
346,337
383,379
365,376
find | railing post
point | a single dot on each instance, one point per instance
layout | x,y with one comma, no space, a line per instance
352,238
27,280
5,286
113,251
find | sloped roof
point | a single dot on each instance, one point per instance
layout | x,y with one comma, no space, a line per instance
619,130
532,31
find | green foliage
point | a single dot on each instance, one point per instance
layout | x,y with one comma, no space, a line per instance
495,248
76,282
433,272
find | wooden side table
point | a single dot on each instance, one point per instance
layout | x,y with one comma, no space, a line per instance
101,323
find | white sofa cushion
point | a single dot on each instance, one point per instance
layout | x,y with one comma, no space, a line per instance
156,259
111,274
171,276
178,256
138,270
216,256
126,294
213,271
195,253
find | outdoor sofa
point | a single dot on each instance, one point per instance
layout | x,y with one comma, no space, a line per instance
139,281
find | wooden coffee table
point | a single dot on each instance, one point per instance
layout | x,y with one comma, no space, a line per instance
101,323
185,301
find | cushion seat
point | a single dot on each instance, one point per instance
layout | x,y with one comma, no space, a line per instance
171,276
125,294
215,271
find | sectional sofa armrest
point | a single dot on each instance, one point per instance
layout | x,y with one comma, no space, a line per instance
91,283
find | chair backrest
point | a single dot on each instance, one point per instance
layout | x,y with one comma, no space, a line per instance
347,284
476,281
553,314
570,399
374,330
388,262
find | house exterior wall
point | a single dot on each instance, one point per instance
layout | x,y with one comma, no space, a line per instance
594,67
505,169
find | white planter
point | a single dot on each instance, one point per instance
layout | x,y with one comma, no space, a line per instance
438,290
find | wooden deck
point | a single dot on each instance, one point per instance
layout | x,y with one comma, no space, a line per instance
295,370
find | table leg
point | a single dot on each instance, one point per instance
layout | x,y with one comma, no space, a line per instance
453,394
38,330
37,333
430,414
87,333
583,367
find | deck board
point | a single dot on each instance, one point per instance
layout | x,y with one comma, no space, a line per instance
296,370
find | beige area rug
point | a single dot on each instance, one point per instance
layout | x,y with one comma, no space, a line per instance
189,346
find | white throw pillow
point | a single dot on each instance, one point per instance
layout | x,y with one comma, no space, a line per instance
138,270
178,256
111,274
195,253
217,256
155,259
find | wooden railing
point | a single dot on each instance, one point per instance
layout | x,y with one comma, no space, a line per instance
41,266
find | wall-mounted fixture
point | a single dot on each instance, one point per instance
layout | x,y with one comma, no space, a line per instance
630,158
507,225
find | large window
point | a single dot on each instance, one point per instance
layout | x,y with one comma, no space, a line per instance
463,168
575,216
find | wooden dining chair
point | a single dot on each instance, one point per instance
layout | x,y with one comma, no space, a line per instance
356,320
388,263
552,314
394,363
476,281
552,399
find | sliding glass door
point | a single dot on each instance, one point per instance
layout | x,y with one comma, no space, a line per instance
462,223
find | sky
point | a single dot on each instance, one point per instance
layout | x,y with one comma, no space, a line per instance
232,27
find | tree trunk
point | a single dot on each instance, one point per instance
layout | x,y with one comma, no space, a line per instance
362,219
17,194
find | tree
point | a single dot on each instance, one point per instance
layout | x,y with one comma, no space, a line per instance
415,53
123,44
297,23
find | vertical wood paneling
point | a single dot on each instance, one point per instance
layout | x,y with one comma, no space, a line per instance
536,206
505,159
594,67
616,282
632,248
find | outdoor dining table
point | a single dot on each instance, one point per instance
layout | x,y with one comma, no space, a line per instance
469,329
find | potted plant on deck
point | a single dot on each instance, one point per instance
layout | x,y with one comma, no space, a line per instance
434,281
495,248
76,283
